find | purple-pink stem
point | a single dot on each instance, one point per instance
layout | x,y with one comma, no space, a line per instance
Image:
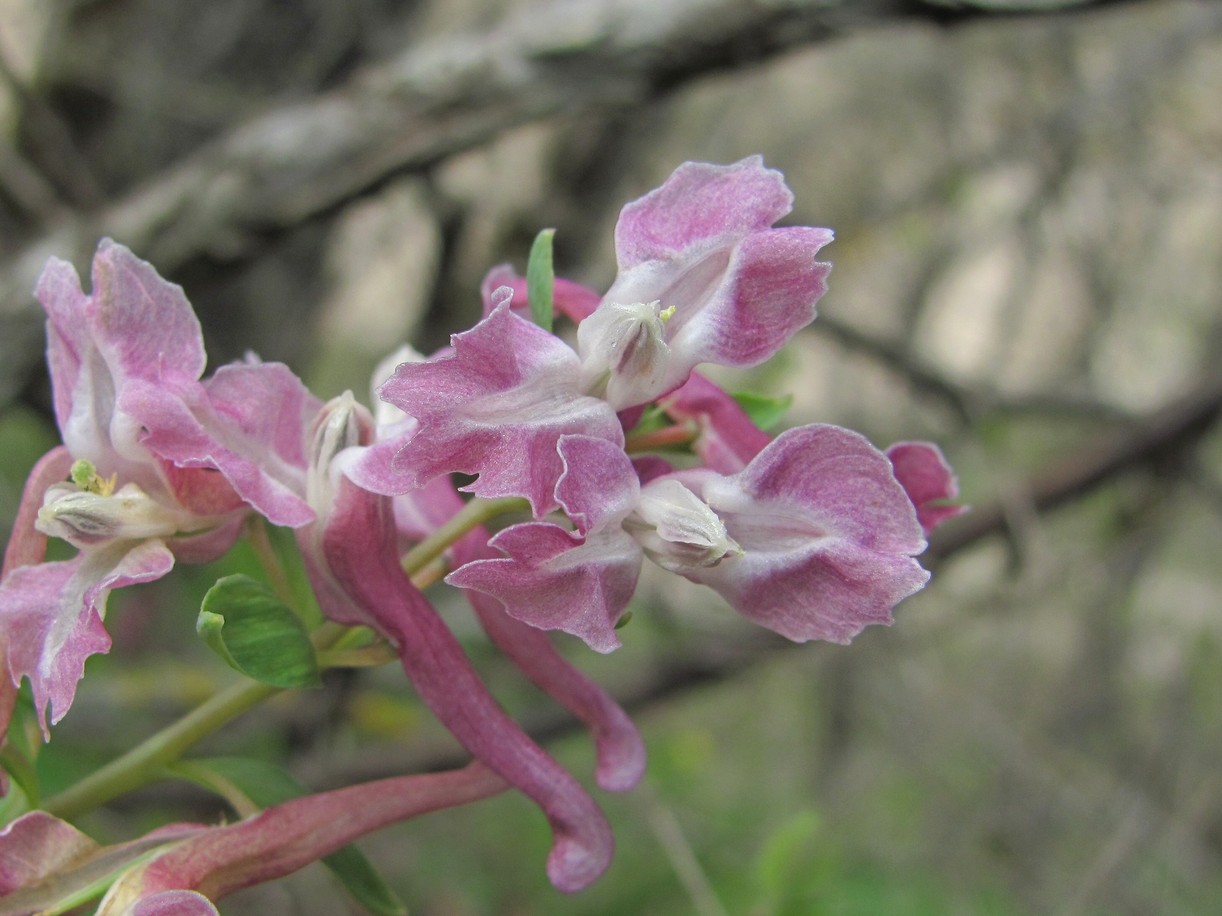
282,839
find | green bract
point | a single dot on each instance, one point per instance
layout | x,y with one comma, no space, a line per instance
540,279
257,633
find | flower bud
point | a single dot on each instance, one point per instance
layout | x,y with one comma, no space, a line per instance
85,517
677,530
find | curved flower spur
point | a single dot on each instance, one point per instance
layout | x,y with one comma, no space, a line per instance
616,451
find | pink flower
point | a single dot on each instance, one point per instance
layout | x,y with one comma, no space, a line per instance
702,278
162,464
813,539
418,514
217,861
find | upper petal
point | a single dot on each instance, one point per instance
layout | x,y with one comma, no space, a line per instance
141,322
132,325
248,422
497,406
768,293
699,205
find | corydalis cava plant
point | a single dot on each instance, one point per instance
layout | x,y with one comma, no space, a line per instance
591,459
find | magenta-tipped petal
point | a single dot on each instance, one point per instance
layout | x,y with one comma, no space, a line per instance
925,475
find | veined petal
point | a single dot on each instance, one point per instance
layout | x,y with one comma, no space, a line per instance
550,581
248,423
36,846
142,323
496,407
828,536
52,615
599,485
45,861
133,325
699,205
768,293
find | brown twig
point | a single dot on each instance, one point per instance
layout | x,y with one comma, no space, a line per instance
553,59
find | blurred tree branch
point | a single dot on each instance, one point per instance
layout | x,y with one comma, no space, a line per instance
1168,434
302,160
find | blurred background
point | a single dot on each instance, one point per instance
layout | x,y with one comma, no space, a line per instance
1028,270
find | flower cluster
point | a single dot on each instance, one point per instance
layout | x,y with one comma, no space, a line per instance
812,534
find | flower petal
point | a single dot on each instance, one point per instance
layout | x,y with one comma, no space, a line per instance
728,439
768,293
827,533
218,861
133,325
725,288
496,407
248,422
52,615
620,750
618,743
549,581
700,204
27,545
599,486
925,475
36,846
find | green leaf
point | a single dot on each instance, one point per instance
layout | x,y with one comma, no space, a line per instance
787,853
765,412
266,785
256,633
364,882
540,279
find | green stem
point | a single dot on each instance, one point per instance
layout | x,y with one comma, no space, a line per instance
213,781
148,760
144,762
666,437
139,765
476,512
